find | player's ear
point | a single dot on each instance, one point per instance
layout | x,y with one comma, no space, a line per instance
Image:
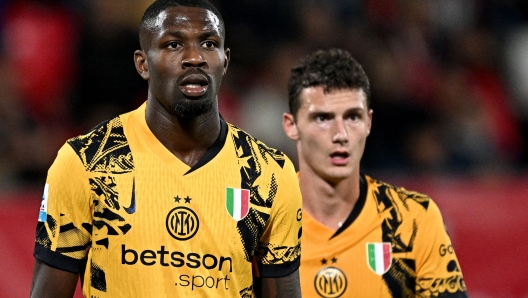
140,60
289,126
227,54
370,112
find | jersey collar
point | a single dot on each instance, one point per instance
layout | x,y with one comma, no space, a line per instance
214,149
357,207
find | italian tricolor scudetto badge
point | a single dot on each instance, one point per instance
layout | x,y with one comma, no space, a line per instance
237,202
379,256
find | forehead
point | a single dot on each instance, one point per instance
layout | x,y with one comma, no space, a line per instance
182,17
315,99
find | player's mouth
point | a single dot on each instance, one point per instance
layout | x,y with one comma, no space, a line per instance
194,85
340,158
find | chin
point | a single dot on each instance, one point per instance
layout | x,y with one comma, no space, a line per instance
193,108
337,175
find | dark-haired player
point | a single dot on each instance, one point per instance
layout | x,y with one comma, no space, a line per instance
361,237
169,200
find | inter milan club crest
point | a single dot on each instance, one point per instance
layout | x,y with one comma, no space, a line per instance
237,202
379,256
182,222
330,282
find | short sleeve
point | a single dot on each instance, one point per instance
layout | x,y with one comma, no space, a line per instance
279,250
438,272
64,226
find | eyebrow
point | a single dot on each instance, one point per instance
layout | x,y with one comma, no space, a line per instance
354,110
348,111
321,113
206,34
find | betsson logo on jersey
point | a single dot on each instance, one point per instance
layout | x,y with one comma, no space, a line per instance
182,224
165,258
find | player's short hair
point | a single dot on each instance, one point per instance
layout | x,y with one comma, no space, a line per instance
332,69
151,13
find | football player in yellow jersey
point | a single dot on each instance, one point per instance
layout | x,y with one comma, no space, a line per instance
361,237
170,200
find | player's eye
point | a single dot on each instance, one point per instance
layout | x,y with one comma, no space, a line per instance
320,118
209,44
173,45
354,117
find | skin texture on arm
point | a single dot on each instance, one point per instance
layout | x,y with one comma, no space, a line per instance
52,282
287,286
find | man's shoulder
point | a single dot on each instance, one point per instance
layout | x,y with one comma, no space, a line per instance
384,191
247,145
94,135
103,147
108,126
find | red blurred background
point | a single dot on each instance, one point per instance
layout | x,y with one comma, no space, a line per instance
449,94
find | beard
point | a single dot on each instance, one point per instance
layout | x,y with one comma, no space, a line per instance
192,109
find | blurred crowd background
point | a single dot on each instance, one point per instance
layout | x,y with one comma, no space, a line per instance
448,76
449,93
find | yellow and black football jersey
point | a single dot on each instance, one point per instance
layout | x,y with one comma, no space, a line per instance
135,221
393,244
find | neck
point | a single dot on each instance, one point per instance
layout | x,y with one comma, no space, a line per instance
330,203
187,139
